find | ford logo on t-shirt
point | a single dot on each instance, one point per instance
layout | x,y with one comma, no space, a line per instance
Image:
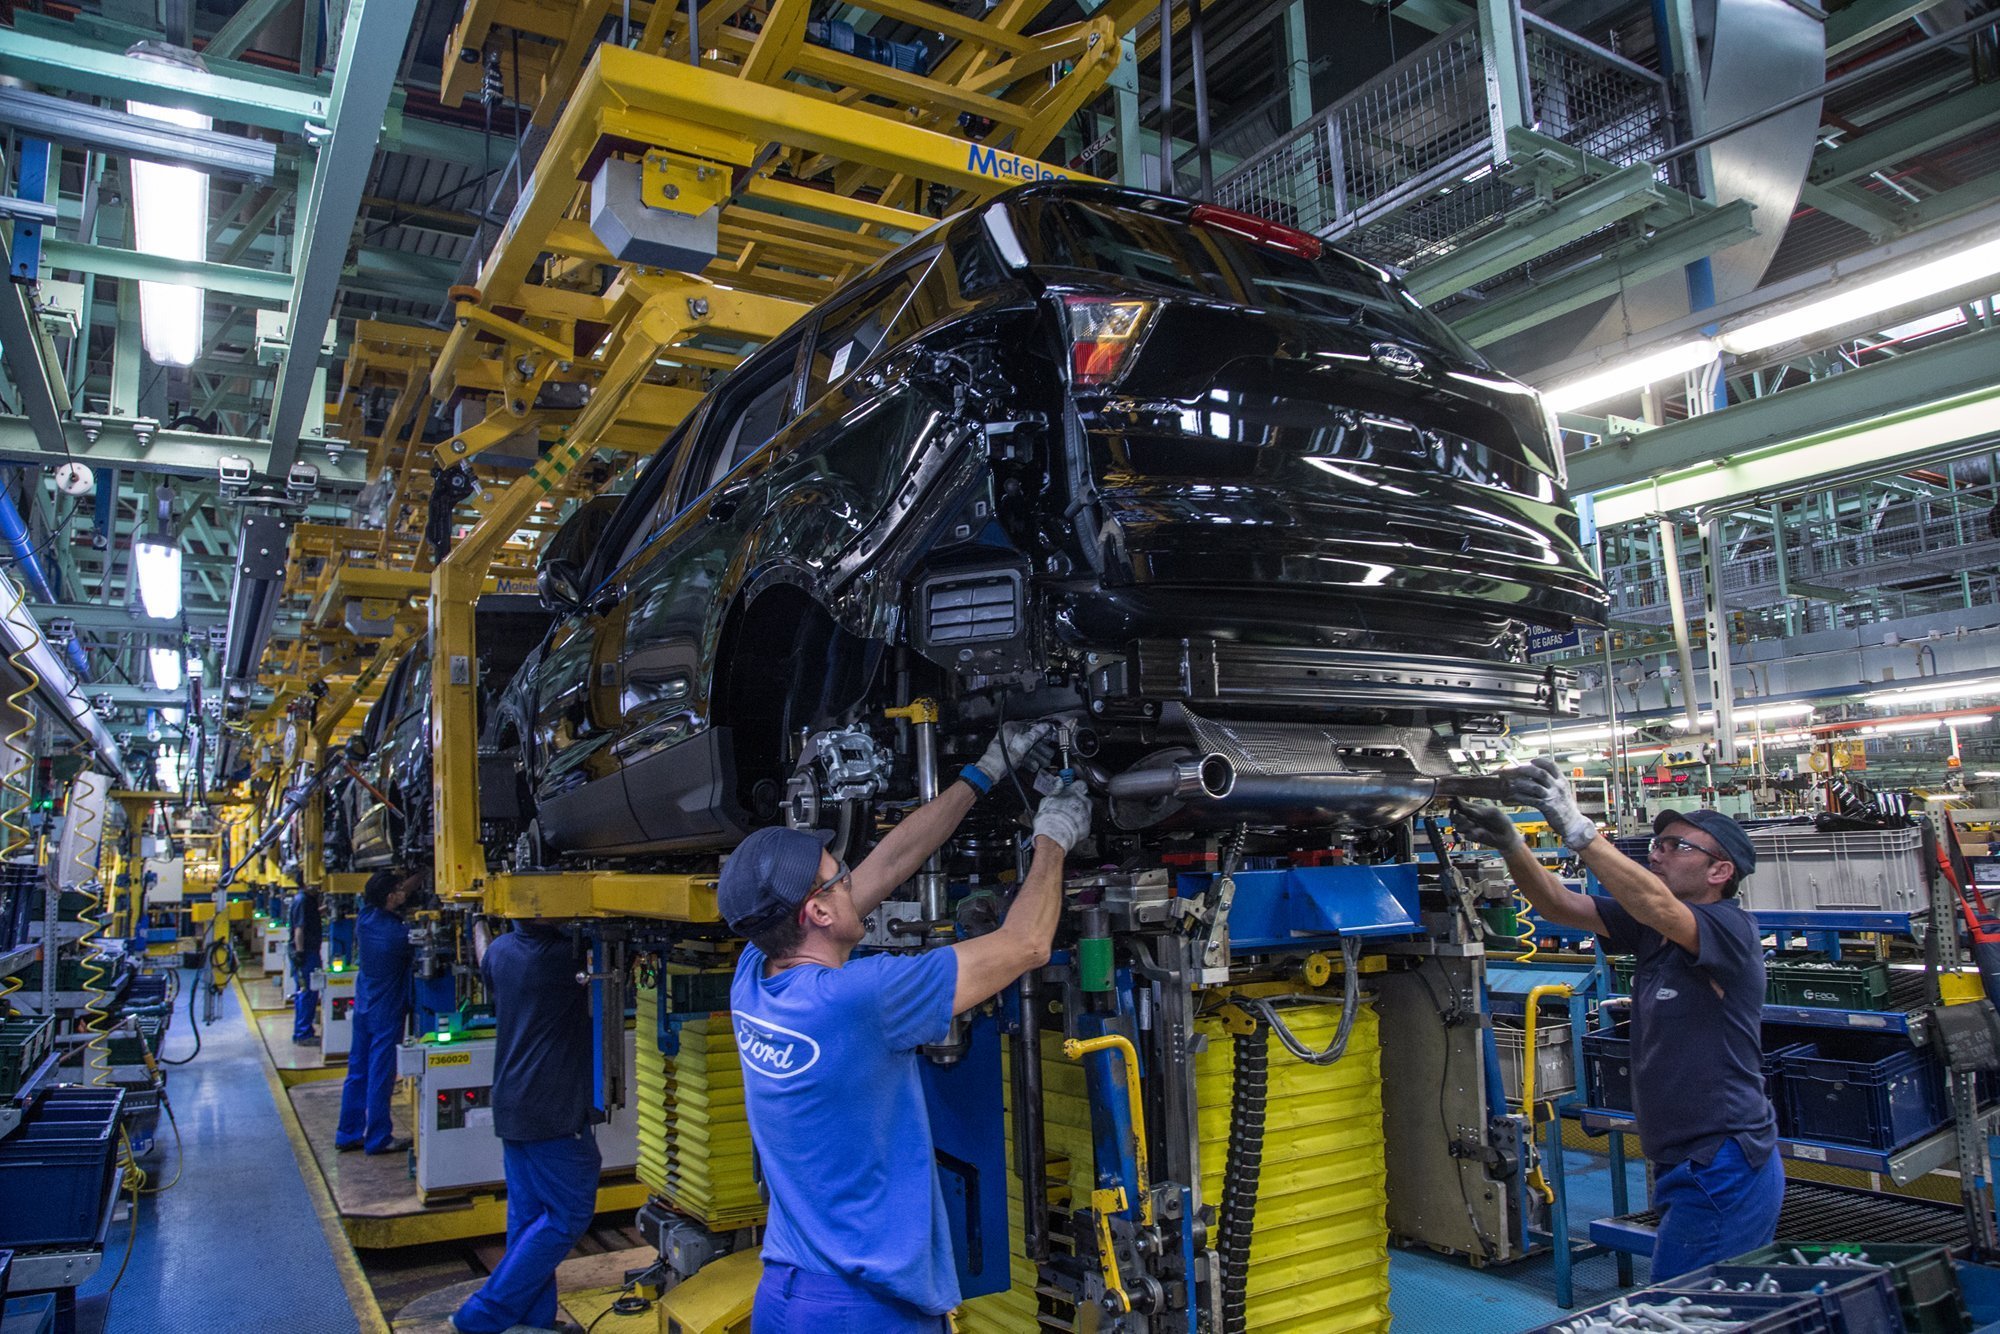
773,1050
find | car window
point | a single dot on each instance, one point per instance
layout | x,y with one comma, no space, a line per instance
416,685
849,333
753,403
649,505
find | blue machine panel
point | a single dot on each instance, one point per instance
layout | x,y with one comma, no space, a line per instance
1304,905
969,1133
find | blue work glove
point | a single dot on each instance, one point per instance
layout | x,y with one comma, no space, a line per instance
1064,816
1488,826
1009,749
1540,783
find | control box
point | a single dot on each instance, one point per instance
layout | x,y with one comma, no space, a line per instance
336,1012
457,1148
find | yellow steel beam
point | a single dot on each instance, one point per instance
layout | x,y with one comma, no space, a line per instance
492,429
778,44
825,201
675,898
651,100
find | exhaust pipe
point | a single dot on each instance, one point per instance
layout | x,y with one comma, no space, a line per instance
1212,790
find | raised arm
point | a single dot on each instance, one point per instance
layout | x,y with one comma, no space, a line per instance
909,845
989,963
1552,900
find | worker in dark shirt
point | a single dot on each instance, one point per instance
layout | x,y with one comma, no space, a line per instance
381,1008
543,1113
1697,1008
303,918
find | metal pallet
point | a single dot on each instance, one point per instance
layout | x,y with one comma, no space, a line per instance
1817,1212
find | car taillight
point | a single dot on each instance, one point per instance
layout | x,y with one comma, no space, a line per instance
1102,335
1261,230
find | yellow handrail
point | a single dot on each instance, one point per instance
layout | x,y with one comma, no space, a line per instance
1078,1048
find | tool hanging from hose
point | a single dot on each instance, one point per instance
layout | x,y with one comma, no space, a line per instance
276,825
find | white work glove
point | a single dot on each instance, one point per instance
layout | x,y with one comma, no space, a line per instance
1064,816
1487,826
1541,784
1008,750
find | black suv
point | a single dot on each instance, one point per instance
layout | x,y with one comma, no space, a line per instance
1262,531
378,811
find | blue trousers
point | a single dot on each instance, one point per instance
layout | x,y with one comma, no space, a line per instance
551,1198
305,1005
794,1301
1714,1213
371,1075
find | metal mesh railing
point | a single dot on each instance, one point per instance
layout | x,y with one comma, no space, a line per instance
1424,117
1402,168
1907,544
1591,99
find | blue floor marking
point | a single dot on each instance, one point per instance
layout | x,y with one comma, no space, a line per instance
1438,1294
236,1245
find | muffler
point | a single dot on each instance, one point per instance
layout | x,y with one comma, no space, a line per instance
1212,791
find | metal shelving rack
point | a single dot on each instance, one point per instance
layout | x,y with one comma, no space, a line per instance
1963,1141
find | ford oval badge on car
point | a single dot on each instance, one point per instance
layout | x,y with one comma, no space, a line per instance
1397,359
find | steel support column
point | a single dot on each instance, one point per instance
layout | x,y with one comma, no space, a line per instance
1721,676
375,31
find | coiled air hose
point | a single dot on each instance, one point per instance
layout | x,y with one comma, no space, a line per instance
16,838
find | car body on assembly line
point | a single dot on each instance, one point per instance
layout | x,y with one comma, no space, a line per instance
1208,491
378,811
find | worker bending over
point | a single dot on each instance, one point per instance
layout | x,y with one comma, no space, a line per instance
381,1007
303,918
858,1236
1697,1008
543,1113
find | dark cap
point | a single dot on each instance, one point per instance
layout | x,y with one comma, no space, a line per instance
769,876
1729,836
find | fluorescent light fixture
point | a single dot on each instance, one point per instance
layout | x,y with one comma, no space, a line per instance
170,222
1931,694
1630,375
1926,724
166,665
1749,713
1862,299
158,564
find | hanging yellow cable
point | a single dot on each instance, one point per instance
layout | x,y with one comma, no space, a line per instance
15,836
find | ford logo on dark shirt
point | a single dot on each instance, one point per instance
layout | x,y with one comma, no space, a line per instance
1397,359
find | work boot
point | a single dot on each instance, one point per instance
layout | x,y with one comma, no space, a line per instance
393,1146
309,1040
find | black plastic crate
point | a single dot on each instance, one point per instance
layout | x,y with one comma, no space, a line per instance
1868,1094
1752,1312
55,1174
1607,1068
1857,1301
1925,1278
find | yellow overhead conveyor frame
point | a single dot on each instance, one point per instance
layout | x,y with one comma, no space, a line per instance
675,308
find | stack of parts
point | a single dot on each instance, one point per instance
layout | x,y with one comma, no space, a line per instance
694,1137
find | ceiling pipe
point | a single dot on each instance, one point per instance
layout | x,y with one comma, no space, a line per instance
15,531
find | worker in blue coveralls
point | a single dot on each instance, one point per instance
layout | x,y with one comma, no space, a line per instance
543,1113
1697,1008
381,1006
858,1237
303,918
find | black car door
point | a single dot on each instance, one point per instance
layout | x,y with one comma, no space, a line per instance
578,791
676,588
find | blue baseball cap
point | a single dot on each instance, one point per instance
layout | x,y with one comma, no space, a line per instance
1729,836
769,876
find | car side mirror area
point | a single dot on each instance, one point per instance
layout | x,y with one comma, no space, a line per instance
357,749
559,585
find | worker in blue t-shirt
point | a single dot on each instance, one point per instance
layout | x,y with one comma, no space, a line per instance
381,1008
1697,1008
858,1236
543,1113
